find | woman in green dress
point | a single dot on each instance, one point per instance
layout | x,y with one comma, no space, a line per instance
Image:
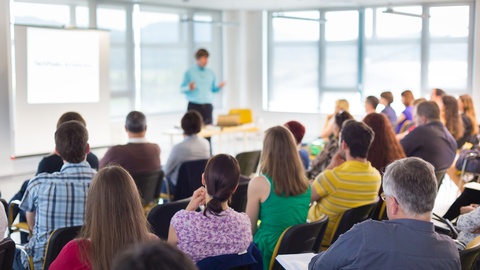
280,196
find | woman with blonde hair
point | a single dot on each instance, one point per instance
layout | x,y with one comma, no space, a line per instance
280,196
340,105
114,220
467,111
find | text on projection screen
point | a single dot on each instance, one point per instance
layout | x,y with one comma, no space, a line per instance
62,66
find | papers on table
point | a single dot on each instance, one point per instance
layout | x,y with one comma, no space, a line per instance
295,261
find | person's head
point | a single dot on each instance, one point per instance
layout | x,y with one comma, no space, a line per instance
136,123
426,112
71,116
386,98
202,57
453,120
221,180
356,138
71,141
371,103
340,117
342,105
114,216
280,160
465,105
437,94
410,187
385,147
152,256
297,129
192,123
407,98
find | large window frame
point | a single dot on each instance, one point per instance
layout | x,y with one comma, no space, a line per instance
426,41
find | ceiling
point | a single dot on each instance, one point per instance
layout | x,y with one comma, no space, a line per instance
280,4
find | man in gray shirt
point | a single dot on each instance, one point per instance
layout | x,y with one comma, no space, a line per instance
192,147
408,240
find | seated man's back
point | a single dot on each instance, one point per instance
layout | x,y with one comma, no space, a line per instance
134,157
138,155
396,244
430,140
57,200
351,183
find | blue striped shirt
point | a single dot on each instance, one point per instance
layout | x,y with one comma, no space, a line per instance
58,200
205,85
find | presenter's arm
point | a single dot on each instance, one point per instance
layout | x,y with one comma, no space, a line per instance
217,87
187,85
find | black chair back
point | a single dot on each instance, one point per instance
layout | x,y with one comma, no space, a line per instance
468,257
300,238
439,176
148,185
58,239
239,198
250,260
189,178
248,162
352,217
7,253
160,216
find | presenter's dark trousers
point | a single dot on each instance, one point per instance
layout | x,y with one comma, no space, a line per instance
205,111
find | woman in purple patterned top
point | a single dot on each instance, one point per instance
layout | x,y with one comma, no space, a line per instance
218,230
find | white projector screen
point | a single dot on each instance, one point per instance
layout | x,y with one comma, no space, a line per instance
59,70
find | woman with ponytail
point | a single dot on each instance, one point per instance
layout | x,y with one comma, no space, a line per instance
218,229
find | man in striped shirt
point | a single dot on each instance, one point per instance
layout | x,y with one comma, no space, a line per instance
349,181
57,200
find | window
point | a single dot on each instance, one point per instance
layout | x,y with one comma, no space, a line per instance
41,14
318,56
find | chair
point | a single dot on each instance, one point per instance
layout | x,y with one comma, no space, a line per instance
5,205
248,162
239,198
468,256
439,176
350,218
189,178
58,239
160,216
12,213
7,253
149,185
251,259
300,238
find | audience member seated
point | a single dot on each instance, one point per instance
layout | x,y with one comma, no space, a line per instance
298,130
468,223
430,140
3,222
386,99
436,96
114,220
192,147
385,148
349,181
280,196
371,104
469,196
153,256
340,105
323,159
407,115
450,116
217,230
467,111
57,200
408,240
411,126
53,163
137,155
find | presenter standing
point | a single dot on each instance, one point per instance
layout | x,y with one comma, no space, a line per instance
199,84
